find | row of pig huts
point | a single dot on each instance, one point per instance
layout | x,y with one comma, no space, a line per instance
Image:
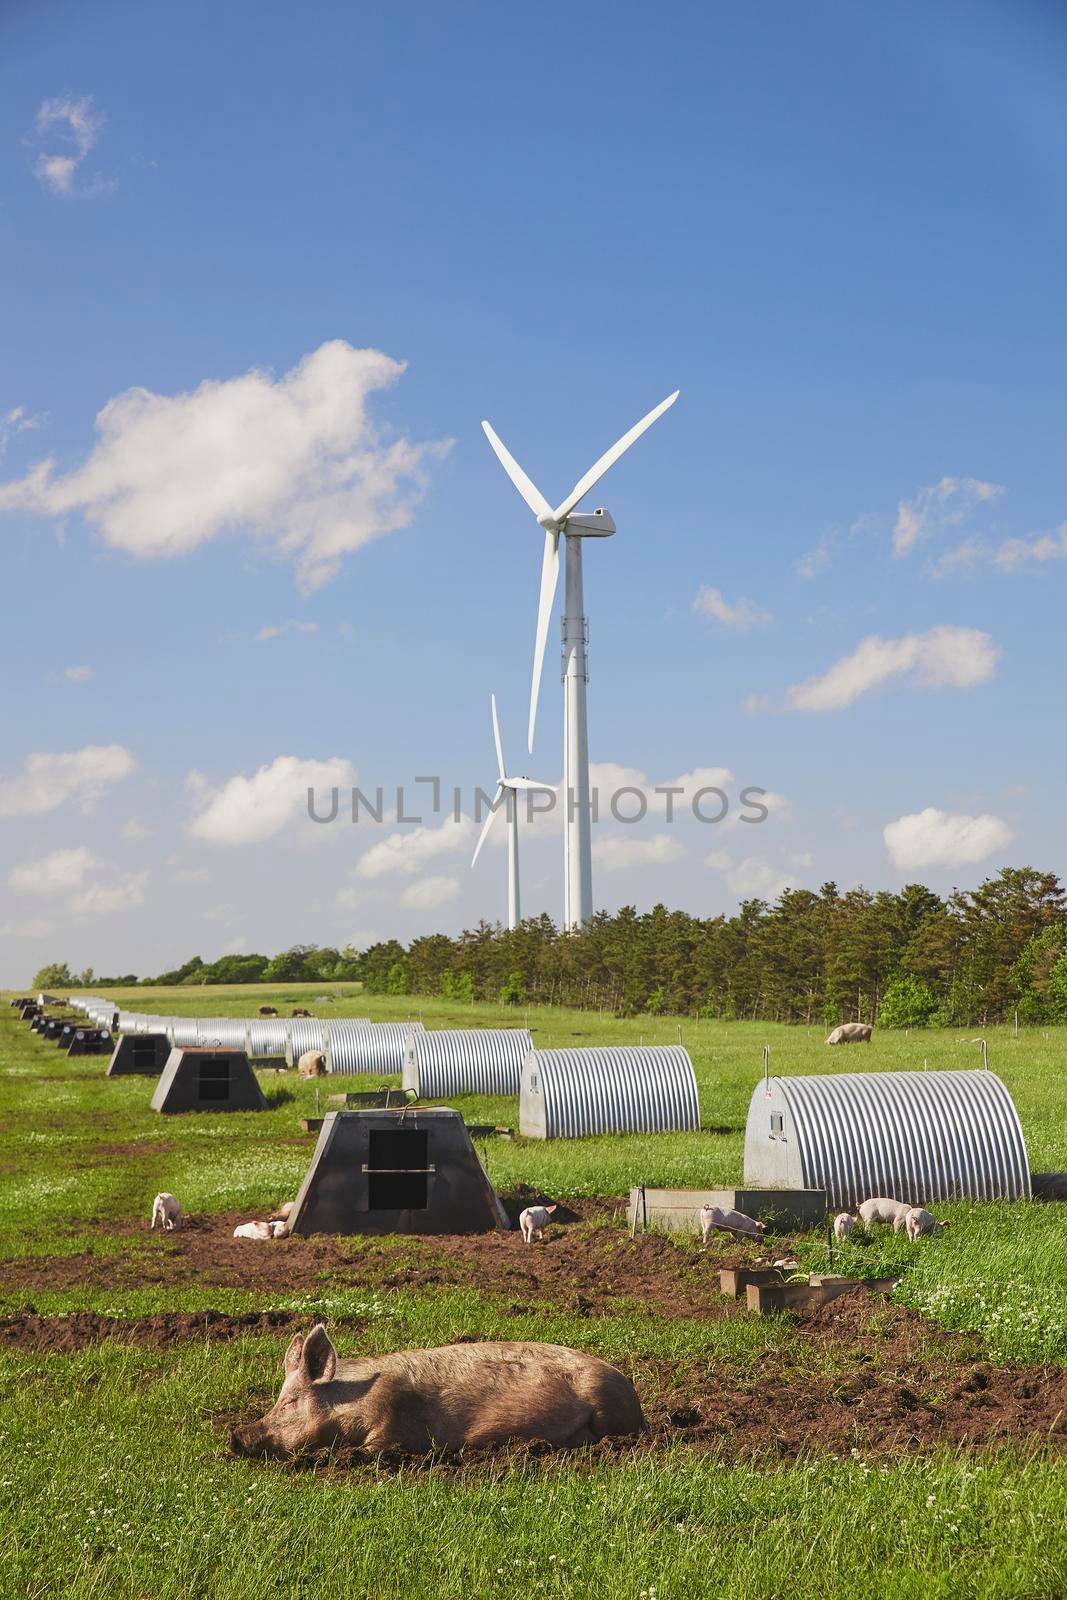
922,1136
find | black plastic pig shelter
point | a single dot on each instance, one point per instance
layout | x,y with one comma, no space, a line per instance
208,1080
145,1053
407,1171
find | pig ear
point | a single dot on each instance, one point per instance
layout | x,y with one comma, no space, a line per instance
320,1357
293,1354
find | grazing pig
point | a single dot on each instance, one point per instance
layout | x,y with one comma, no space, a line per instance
261,1231
312,1064
883,1210
919,1222
851,1033
445,1399
166,1211
734,1222
266,1011
843,1226
533,1222
300,1012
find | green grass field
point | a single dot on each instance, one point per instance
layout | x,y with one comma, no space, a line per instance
115,1479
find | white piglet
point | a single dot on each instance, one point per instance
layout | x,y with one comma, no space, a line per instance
889,1212
734,1222
533,1222
166,1212
919,1222
843,1226
261,1230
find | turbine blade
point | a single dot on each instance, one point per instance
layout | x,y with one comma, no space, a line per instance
529,491
496,737
549,577
528,783
609,458
490,819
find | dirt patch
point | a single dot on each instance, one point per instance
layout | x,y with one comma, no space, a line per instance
591,1267
83,1330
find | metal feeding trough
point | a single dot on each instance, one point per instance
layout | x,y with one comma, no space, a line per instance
408,1171
678,1210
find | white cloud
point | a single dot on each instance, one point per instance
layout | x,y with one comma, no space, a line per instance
100,899
249,810
14,422
966,554
755,703
617,852
78,674
28,928
933,838
742,614
407,853
944,657
755,877
1014,553
938,506
76,126
47,780
56,873
273,630
429,893
134,830
293,461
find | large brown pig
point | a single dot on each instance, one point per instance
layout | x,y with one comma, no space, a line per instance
420,1400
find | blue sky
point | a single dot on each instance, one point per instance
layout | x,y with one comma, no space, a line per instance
838,230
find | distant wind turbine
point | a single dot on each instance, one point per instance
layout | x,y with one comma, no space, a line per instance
578,867
507,790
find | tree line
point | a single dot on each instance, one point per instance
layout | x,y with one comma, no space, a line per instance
901,959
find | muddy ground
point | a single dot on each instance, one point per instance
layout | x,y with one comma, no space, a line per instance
862,1375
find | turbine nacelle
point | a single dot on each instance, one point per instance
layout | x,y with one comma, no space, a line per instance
561,523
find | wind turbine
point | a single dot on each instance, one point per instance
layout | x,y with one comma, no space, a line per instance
507,790
562,522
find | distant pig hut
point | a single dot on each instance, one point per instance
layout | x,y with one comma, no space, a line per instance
440,1062
915,1136
208,1080
567,1094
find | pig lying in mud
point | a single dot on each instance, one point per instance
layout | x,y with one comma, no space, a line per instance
459,1395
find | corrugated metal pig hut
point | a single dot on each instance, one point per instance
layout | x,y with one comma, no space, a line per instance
374,1047
447,1061
566,1094
409,1171
914,1136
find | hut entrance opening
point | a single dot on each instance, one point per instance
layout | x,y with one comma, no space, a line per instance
398,1173
145,1055
215,1078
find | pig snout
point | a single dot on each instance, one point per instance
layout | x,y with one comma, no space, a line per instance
256,1440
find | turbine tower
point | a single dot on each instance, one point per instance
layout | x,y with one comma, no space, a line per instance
507,790
562,522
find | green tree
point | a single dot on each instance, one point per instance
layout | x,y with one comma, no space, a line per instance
514,991
907,1003
53,975
397,981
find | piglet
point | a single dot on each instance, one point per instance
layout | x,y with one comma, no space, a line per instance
843,1226
919,1222
890,1212
734,1222
261,1230
166,1212
533,1222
